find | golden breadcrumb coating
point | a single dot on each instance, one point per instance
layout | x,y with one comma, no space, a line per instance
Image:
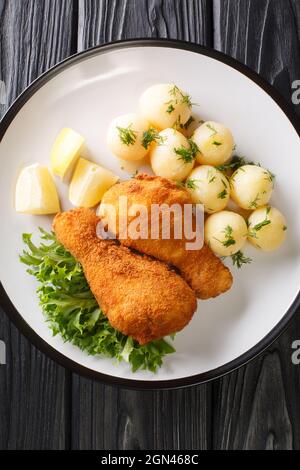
141,297
202,269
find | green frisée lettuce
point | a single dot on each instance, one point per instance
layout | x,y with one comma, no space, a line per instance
73,312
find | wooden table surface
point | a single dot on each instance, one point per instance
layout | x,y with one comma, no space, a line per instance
44,406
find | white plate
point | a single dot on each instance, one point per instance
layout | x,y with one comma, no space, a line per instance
85,93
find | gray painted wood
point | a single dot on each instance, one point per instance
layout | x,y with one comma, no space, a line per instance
33,36
258,406
41,405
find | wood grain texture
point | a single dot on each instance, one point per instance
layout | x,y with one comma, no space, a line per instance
258,406
33,36
103,21
105,417
141,420
263,34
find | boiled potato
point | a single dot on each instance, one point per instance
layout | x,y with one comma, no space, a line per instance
208,186
251,186
65,151
89,183
165,105
215,143
225,232
36,191
267,228
172,157
125,137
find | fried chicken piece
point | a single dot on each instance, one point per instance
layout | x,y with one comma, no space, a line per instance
202,269
141,297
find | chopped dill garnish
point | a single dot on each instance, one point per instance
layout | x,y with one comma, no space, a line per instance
269,176
184,154
238,259
234,164
284,228
211,178
170,109
222,194
186,99
229,240
191,184
214,132
151,135
187,154
260,225
216,143
177,97
194,148
127,135
254,204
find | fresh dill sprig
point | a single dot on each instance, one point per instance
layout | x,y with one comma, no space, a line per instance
270,176
151,135
194,148
187,154
254,204
260,225
184,154
222,194
229,240
238,259
191,184
210,175
210,127
233,165
170,109
179,96
127,135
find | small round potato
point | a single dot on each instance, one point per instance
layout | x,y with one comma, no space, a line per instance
267,228
208,186
251,186
225,232
172,156
165,105
125,136
215,143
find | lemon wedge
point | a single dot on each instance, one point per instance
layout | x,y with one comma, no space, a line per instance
89,183
65,151
36,191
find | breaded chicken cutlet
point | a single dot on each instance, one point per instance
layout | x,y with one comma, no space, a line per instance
201,268
141,297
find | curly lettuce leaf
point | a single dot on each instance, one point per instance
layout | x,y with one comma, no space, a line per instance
72,311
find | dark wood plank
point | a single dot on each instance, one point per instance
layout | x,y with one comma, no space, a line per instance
258,406
102,21
33,36
112,418
263,34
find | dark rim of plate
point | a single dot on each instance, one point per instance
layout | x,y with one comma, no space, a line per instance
17,318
